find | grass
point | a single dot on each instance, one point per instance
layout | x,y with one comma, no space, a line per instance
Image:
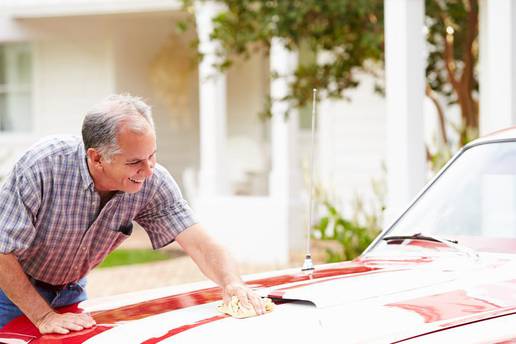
133,256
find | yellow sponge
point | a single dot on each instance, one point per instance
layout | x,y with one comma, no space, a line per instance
236,310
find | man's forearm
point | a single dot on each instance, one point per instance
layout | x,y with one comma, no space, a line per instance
211,258
15,284
219,266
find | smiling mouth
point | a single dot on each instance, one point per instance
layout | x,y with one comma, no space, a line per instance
137,181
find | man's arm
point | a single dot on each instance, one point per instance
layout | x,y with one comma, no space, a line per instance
216,263
15,284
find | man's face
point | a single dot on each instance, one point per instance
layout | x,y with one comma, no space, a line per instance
128,169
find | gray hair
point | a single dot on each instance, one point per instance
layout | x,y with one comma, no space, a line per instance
102,124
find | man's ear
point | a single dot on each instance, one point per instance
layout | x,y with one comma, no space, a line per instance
94,157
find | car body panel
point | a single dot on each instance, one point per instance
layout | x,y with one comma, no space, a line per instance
425,299
408,290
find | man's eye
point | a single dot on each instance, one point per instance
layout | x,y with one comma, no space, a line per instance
133,163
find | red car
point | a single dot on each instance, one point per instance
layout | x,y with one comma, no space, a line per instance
445,272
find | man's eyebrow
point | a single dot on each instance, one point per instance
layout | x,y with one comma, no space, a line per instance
140,159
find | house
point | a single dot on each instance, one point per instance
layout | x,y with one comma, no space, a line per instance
243,176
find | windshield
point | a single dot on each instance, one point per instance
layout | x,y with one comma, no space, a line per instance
472,202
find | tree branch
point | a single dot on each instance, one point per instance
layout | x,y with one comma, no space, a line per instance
440,113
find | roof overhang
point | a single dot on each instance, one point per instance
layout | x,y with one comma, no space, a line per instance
46,9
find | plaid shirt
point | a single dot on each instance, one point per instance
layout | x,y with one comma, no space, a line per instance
49,212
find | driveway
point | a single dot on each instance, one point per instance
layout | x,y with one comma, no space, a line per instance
178,270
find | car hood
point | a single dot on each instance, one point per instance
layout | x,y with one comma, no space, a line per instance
366,300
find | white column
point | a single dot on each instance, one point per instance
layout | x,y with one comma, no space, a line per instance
497,37
212,98
404,74
283,129
285,184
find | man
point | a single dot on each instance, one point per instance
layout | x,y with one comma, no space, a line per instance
66,204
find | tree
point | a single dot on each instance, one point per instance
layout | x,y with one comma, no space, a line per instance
350,34
453,55
349,31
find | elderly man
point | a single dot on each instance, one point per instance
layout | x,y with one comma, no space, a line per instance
66,204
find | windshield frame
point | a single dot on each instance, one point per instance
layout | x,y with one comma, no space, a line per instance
427,187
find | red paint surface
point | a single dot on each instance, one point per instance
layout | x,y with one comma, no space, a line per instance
462,303
279,293
165,304
488,244
334,270
460,307
445,306
21,337
444,309
110,318
72,337
22,325
183,328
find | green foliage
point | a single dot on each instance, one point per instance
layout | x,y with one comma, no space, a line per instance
349,32
350,35
355,233
450,15
451,71
440,156
133,256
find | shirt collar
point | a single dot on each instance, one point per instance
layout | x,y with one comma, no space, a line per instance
83,167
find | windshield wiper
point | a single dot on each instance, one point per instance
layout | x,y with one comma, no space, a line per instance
420,236
450,243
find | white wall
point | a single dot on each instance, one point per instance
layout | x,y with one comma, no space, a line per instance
9,30
137,41
352,142
248,136
59,8
69,77
250,227
71,71
80,60
247,86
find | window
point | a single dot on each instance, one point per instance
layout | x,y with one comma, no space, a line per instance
15,88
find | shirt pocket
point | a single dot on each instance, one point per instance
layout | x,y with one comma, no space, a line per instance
109,238
125,229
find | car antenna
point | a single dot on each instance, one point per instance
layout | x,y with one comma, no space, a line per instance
308,264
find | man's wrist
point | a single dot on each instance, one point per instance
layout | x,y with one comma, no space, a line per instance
232,281
43,317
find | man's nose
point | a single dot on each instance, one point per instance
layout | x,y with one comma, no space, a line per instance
148,168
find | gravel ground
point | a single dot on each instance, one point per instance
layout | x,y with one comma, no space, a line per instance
178,270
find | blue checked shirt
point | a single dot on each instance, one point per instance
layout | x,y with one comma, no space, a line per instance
49,212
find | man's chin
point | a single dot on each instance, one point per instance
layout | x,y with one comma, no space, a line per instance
133,188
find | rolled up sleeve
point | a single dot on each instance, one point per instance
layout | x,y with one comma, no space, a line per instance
166,214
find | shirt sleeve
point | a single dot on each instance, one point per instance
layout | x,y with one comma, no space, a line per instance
166,214
19,204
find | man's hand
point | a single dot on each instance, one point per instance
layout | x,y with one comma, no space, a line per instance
53,322
216,264
246,295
